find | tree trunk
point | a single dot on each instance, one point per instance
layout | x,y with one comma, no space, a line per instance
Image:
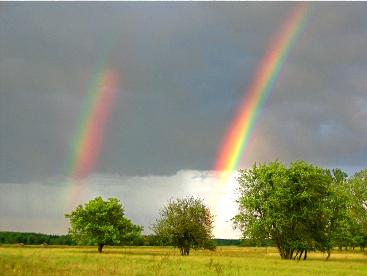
305,257
282,254
187,251
288,254
291,257
280,251
285,254
100,247
328,255
184,251
295,256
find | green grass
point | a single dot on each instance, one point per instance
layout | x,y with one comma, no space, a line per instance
32,260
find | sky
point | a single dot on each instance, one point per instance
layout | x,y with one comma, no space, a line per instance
183,69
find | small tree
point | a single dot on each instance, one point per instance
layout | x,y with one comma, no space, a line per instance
101,222
185,223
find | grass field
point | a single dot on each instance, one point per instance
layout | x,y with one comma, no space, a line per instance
30,260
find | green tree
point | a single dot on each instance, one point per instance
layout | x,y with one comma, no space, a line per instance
285,205
186,223
102,223
338,228
357,188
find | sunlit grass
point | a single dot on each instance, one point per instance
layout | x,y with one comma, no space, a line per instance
31,260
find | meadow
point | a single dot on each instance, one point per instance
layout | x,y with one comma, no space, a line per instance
36,260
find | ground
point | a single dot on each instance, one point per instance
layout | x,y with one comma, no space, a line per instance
32,260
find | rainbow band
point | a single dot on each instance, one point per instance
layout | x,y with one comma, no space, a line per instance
88,140
236,139
81,131
95,112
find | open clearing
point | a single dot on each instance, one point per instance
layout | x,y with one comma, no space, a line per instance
31,260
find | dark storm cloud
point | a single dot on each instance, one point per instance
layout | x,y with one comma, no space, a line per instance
183,69
317,110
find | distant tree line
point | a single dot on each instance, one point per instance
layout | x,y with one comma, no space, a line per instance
8,237
302,207
227,242
34,238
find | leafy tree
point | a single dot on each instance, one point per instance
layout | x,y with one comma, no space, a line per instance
358,190
285,205
186,223
338,228
102,222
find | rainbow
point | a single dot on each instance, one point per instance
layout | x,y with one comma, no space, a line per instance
241,127
88,139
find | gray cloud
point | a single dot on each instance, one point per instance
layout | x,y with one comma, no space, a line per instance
183,70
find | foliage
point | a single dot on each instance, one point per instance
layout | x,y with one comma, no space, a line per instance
338,220
257,243
185,223
34,238
103,223
227,242
297,207
38,239
154,240
358,191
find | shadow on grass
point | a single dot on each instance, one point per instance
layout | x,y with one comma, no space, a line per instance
362,259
